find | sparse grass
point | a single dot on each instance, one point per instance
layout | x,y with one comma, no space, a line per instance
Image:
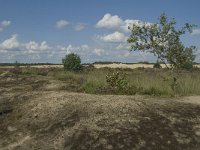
189,84
156,82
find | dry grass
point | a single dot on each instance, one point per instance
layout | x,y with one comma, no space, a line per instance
36,114
157,82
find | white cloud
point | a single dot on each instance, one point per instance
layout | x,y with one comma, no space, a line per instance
116,23
61,24
33,51
196,32
85,51
76,26
98,51
9,44
34,47
114,37
123,46
110,22
79,26
85,47
4,24
74,49
31,47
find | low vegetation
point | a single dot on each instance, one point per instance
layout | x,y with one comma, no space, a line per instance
72,62
149,81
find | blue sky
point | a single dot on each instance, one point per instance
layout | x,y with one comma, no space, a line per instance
46,30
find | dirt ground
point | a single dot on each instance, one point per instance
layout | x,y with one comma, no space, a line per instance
36,114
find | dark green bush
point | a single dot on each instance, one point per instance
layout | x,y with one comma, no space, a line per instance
157,65
72,62
187,66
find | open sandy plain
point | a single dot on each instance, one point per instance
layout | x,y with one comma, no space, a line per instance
36,114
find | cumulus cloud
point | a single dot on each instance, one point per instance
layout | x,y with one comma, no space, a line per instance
61,24
79,26
196,32
85,51
4,24
75,26
114,37
74,49
34,47
98,51
116,23
12,49
110,22
123,46
10,43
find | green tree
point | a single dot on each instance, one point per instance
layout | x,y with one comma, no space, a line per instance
72,62
163,40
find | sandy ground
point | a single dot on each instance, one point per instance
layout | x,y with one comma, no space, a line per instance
130,66
35,114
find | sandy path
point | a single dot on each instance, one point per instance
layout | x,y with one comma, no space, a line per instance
62,120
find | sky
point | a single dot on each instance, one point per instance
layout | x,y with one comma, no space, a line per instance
41,31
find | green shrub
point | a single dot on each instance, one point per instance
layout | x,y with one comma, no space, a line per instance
117,80
72,62
118,84
157,65
187,66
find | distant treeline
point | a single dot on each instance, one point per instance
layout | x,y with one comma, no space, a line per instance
97,62
111,62
26,64
140,62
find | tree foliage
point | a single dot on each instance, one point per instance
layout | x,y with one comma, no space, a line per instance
163,40
72,62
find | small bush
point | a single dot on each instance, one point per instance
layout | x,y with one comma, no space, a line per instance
118,84
117,80
72,62
187,66
157,65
